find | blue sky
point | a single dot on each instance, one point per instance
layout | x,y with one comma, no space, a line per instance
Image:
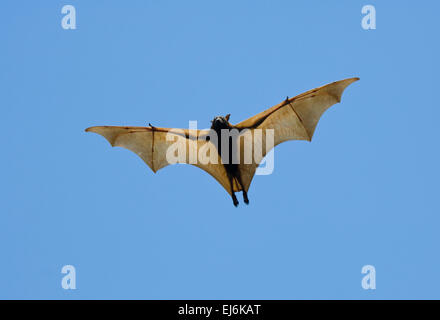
365,191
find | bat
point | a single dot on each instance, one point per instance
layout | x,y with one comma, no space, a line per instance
293,119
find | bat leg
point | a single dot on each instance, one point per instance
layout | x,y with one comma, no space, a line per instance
245,197
234,198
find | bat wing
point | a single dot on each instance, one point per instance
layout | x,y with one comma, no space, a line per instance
293,119
156,145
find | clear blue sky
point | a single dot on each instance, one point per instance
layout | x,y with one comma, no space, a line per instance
365,191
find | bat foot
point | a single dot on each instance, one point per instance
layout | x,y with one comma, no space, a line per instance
245,197
234,199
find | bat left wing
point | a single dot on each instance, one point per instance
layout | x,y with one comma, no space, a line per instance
155,146
293,119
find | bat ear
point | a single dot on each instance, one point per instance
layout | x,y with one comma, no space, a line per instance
227,116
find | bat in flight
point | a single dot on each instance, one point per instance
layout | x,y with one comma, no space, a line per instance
230,160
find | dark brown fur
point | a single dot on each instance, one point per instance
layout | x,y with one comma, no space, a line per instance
232,169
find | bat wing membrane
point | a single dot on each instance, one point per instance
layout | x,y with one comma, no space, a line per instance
293,119
152,145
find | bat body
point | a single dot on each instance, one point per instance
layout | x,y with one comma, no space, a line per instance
232,169
293,119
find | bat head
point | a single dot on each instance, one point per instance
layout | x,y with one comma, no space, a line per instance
220,122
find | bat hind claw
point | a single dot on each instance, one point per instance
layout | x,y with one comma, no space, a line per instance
234,200
245,197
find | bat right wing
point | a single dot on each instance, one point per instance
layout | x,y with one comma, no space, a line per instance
293,119
156,146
